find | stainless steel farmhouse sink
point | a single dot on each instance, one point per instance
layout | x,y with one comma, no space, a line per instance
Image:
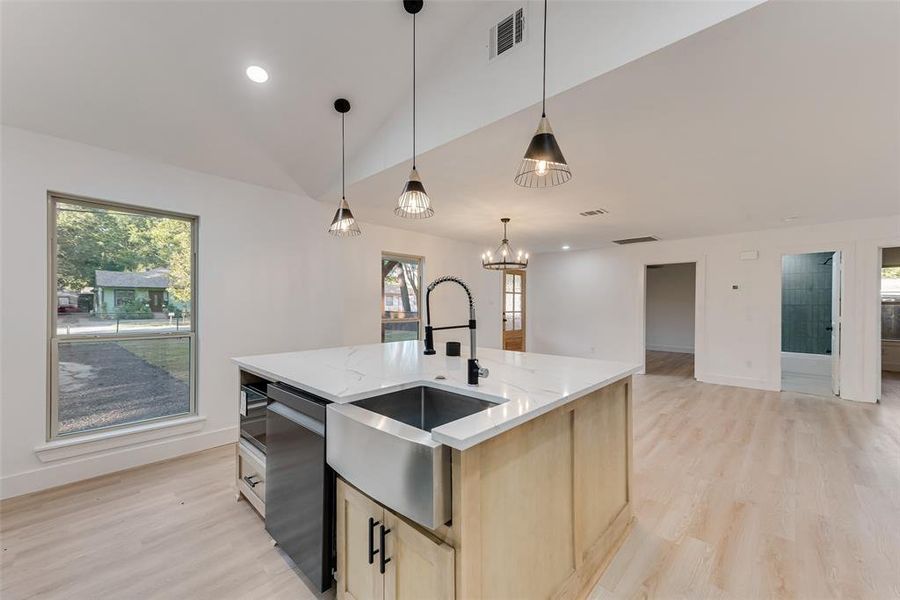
383,446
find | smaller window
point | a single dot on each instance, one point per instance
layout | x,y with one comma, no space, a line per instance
401,278
123,296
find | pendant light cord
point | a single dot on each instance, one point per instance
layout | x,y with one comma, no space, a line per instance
343,193
414,91
544,83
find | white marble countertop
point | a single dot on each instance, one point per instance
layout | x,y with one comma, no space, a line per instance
523,384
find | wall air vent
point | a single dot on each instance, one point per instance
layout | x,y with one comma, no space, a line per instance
637,240
507,34
594,213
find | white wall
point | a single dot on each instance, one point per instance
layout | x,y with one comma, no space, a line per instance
269,279
590,303
670,308
457,94
361,271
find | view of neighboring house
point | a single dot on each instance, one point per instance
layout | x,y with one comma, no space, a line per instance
393,299
117,288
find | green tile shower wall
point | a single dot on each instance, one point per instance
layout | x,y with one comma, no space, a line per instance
806,303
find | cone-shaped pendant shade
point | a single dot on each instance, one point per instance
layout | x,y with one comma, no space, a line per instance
413,202
544,164
343,224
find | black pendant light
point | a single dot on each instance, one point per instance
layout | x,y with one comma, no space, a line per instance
544,164
343,224
414,202
506,257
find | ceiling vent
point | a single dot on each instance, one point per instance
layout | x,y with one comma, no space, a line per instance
637,240
594,213
507,34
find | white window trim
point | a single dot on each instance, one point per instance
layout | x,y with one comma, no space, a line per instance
60,449
54,441
418,320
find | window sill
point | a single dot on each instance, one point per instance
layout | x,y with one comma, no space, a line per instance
61,449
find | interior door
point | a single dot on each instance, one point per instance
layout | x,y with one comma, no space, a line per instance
358,519
836,264
514,310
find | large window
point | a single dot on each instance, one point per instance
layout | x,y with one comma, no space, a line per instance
401,278
122,312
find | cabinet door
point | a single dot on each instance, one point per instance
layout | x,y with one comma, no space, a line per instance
420,567
356,578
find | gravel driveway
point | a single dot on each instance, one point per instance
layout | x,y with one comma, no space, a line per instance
103,384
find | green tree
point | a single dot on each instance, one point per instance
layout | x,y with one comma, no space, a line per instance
91,239
171,241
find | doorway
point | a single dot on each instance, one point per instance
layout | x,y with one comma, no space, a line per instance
811,323
514,310
670,309
890,325
156,301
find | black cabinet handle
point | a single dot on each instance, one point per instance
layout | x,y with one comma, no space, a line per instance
372,550
381,559
252,480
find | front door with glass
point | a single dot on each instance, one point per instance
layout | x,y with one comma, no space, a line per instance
514,310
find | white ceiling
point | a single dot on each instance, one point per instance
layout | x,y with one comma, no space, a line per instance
165,80
788,109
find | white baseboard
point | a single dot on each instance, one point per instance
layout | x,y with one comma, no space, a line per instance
664,348
744,382
69,471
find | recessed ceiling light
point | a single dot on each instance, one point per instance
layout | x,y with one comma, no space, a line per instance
565,247
791,218
257,74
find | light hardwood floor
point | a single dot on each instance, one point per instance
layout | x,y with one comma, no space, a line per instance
170,530
738,494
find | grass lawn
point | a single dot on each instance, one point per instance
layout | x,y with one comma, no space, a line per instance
171,355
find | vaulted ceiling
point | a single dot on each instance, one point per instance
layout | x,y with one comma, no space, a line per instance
680,118
165,80
782,116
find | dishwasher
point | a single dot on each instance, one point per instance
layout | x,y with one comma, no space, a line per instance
300,485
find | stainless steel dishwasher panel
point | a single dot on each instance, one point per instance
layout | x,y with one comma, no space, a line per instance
394,463
299,493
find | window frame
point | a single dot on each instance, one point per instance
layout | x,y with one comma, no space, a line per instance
53,339
120,294
419,299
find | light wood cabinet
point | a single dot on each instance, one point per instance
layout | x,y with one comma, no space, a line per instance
420,567
417,566
251,476
538,512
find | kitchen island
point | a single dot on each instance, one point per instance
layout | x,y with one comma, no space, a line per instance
519,487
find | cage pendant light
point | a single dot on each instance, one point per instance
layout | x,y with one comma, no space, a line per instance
343,224
414,203
544,164
506,257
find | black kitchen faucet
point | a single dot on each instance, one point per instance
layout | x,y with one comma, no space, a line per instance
474,371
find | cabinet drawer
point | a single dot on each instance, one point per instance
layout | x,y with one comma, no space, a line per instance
251,472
